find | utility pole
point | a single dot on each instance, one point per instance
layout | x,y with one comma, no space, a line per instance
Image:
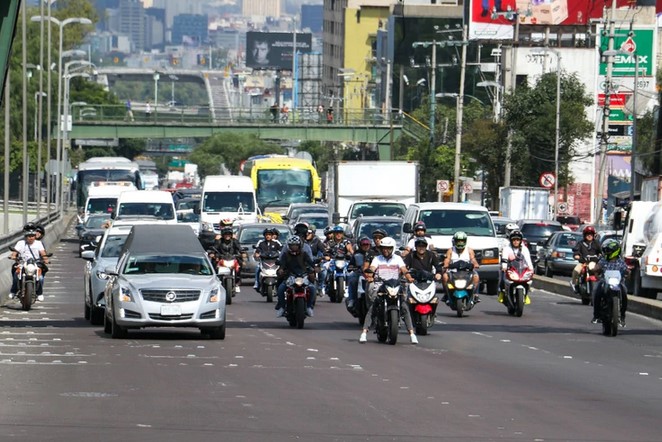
458,130
604,137
513,82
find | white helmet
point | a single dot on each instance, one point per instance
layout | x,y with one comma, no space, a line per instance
387,242
511,227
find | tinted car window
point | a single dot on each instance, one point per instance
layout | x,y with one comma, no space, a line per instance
378,209
539,230
568,240
394,230
447,222
137,265
113,246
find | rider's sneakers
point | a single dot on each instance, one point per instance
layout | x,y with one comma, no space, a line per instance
476,299
573,287
595,320
363,338
527,300
12,295
280,312
255,286
40,298
622,323
309,312
501,296
413,339
237,289
350,304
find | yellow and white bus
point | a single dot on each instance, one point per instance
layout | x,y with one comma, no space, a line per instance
280,181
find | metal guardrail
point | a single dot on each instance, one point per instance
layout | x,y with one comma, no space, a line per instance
10,239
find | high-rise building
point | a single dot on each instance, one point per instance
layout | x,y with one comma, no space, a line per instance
190,29
176,7
132,22
261,8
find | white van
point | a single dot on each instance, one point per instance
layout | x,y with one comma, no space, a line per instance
102,197
152,206
226,197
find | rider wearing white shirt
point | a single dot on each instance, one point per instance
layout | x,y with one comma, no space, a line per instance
516,250
28,248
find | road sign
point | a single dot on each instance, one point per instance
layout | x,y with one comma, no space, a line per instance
443,185
615,100
547,180
562,207
467,188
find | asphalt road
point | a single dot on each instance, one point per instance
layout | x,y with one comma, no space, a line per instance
548,376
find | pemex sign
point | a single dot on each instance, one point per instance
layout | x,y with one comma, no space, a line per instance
640,43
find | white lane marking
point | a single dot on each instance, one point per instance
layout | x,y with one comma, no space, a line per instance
567,357
643,373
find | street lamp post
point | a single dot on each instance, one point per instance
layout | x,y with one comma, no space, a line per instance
37,118
156,77
173,78
67,79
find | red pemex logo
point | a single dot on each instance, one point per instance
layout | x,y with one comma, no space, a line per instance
629,45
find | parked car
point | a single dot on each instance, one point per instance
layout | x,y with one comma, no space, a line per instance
555,255
365,225
94,275
249,234
90,230
163,278
536,232
296,209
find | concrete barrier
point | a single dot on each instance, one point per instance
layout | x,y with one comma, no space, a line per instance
651,308
54,232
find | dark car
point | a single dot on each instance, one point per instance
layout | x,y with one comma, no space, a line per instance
186,193
188,203
536,232
605,235
296,209
571,222
249,234
318,219
555,255
365,225
90,230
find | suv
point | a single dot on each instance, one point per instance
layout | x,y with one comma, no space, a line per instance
365,225
536,232
442,220
296,209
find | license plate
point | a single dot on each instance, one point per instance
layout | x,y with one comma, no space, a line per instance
171,310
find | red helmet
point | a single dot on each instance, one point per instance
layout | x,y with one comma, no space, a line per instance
588,230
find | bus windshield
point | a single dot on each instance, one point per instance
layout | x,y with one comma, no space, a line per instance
86,177
283,187
228,202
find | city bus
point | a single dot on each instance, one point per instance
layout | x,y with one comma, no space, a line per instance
105,169
281,180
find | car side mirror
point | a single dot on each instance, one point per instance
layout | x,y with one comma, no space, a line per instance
406,227
87,255
196,210
110,270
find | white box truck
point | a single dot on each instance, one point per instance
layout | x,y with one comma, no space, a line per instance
374,185
524,202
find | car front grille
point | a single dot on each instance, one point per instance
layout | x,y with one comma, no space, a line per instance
160,317
159,295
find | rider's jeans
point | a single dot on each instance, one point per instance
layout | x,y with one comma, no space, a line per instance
352,285
15,282
257,277
404,309
281,295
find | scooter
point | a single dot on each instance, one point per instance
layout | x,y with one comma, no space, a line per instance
422,300
587,279
610,305
30,279
226,270
268,274
297,294
337,278
460,287
518,280
386,309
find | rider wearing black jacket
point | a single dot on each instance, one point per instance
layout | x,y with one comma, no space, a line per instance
264,246
228,246
587,247
294,262
423,259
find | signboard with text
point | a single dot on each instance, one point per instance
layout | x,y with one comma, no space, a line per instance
273,50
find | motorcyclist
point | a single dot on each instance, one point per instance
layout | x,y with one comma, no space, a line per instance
360,261
585,248
423,259
516,250
377,236
225,222
328,234
229,246
40,232
387,265
460,252
317,249
419,232
339,242
27,248
268,244
610,260
294,261
300,230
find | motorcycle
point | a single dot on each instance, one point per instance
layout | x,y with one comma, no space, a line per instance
386,309
587,279
362,303
268,274
29,274
460,287
337,277
297,294
518,284
227,267
422,301
610,305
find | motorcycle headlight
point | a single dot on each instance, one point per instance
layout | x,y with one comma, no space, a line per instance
340,264
269,272
591,265
102,275
30,269
393,291
613,282
513,276
213,295
125,295
461,284
528,274
298,281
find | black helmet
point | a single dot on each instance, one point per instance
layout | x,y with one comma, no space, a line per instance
327,230
421,242
267,231
275,232
40,229
515,234
294,244
364,241
420,226
226,231
32,227
29,233
301,229
381,232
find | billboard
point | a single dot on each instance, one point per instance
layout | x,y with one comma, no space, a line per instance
273,50
494,19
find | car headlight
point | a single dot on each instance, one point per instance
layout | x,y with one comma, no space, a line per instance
213,295
490,253
102,275
125,295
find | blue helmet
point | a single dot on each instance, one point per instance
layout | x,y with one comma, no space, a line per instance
338,229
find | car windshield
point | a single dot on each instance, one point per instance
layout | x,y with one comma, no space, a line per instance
170,264
158,210
284,186
96,222
101,205
319,222
393,229
447,222
568,240
228,202
540,230
500,226
113,246
377,209
188,217
251,235
309,209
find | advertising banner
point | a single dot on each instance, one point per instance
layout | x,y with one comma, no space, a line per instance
273,50
494,19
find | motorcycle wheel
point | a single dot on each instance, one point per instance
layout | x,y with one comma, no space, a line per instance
300,312
586,293
393,317
340,289
519,303
459,308
229,290
28,292
615,314
270,294
422,326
